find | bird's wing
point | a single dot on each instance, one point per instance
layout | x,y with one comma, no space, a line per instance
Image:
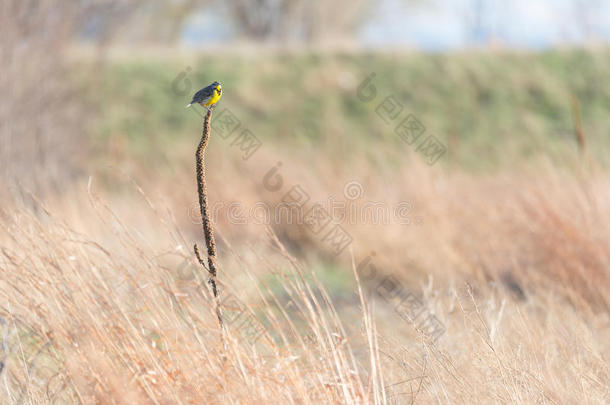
203,95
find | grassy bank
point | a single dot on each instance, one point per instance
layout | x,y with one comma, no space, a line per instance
488,109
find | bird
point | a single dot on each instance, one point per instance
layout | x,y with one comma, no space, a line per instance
207,96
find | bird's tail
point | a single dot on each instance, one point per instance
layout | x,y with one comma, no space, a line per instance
188,105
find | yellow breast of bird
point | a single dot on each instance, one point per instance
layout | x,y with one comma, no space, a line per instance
214,99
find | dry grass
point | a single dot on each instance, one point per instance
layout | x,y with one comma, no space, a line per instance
116,326
102,301
99,308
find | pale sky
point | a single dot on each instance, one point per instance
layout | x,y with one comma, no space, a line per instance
518,23
448,24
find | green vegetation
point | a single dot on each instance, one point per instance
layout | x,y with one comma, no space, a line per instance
488,108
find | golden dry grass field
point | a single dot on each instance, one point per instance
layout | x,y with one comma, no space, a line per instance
473,271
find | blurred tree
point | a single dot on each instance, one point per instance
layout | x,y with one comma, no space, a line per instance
263,19
102,20
338,19
301,20
162,21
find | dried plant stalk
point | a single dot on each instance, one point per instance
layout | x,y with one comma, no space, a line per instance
208,229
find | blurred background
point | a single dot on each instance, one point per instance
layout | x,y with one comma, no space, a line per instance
497,80
391,97
414,125
443,142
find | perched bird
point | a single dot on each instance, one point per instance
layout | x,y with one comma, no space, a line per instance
207,96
